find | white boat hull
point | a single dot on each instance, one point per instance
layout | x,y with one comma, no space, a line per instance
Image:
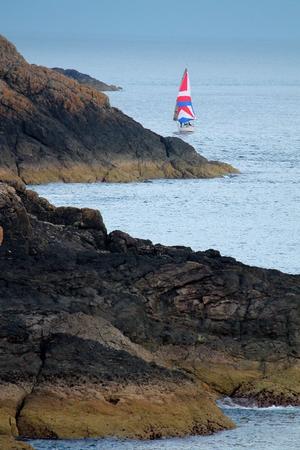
186,129
184,112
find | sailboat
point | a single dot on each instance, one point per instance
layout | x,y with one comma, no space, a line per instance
184,113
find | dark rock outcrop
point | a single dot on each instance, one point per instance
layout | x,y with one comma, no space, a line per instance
104,334
87,80
53,128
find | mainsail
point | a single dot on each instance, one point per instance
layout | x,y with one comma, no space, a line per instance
184,109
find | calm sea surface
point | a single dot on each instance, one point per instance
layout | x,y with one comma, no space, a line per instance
247,100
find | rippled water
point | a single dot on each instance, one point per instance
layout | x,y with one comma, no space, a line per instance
250,219
257,429
247,99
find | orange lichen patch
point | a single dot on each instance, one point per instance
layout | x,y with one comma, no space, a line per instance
1,235
114,171
45,86
53,128
12,102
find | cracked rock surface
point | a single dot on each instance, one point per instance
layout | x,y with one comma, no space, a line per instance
53,128
103,334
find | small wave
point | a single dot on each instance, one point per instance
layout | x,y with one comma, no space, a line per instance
229,403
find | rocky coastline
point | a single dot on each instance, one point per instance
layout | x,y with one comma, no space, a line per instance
87,80
103,334
52,128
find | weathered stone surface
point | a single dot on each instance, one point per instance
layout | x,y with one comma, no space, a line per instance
135,411
87,80
122,337
9,443
53,128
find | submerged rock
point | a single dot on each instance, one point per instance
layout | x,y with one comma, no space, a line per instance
53,128
87,80
103,334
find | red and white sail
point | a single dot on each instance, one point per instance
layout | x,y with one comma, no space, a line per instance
184,111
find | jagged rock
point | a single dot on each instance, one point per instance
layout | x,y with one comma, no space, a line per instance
52,128
110,335
87,80
15,224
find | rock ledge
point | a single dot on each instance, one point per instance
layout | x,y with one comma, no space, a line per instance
103,334
54,129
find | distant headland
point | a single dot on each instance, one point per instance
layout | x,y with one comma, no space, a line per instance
53,128
87,80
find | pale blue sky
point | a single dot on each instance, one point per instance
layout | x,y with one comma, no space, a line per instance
267,19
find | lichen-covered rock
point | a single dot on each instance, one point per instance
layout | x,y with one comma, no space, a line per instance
110,335
9,443
279,387
53,128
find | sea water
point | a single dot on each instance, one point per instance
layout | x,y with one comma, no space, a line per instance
271,428
247,101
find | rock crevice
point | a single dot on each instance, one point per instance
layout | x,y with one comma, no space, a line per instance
88,316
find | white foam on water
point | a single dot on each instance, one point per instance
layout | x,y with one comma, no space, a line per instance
248,109
230,403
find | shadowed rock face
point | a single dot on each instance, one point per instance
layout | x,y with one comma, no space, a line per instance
103,334
53,128
87,80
